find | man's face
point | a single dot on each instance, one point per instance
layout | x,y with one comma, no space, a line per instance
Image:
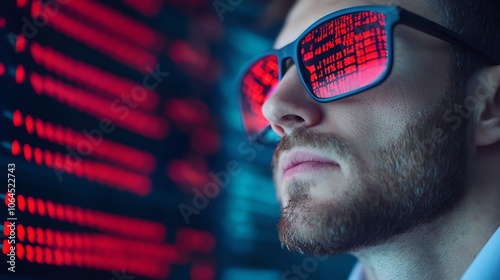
355,172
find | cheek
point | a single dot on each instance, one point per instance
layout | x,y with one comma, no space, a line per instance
374,118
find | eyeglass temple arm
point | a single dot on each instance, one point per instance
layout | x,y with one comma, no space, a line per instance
439,31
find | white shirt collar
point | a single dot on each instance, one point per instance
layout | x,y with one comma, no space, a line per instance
487,263
486,266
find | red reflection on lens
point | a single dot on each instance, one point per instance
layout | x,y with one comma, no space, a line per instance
258,83
345,54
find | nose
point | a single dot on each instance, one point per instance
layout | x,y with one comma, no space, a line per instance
290,106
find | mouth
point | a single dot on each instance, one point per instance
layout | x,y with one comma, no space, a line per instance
296,162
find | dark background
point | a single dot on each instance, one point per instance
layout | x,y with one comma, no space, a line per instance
130,157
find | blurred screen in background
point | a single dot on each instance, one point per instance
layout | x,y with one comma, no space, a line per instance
122,148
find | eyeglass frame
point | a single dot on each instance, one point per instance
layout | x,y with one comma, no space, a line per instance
394,15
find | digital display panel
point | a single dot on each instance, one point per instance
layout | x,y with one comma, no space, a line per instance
93,128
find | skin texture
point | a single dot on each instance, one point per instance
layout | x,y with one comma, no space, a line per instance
415,193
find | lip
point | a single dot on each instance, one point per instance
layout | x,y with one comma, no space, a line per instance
297,162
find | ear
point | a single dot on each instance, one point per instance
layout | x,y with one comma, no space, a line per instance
487,92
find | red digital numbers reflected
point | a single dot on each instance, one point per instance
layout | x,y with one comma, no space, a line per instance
345,54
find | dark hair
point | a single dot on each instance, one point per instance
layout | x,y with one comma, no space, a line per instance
478,20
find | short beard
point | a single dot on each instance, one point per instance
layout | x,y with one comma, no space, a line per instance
416,179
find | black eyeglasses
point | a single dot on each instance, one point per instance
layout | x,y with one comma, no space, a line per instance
341,54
